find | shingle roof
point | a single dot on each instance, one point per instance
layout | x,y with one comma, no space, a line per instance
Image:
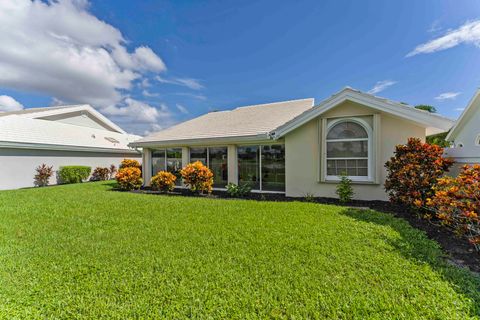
22,130
240,122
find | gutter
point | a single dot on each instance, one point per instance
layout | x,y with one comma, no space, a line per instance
38,146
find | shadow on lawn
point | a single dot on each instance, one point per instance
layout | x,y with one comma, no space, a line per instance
414,244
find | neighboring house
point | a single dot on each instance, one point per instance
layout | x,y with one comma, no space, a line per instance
58,136
295,147
465,135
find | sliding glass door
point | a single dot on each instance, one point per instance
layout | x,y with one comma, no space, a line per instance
158,161
174,163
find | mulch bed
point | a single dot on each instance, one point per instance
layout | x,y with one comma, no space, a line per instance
459,251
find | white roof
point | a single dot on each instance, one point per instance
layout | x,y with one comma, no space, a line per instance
274,120
20,129
465,116
433,123
254,122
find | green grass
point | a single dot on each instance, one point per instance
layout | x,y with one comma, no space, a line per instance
84,251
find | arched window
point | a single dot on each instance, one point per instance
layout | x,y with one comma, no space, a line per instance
348,149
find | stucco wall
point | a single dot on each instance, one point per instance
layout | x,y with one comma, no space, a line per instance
17,166
302,158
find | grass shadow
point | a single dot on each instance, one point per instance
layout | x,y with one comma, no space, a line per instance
415,245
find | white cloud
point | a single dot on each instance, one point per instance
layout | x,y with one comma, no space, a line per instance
468,33
459,109
7,103
447,96
195,96
139,117
60,49
186,82
182,109
149,94
381,85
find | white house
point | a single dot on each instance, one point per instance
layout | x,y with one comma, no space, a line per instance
58,136
465,135
295,147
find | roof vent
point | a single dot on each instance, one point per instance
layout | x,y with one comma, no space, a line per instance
112,140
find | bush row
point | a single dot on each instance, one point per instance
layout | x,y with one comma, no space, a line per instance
416,178
72,174
196,176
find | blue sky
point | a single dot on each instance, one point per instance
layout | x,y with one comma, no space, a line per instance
223,54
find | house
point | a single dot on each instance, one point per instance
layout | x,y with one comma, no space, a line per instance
465,135
295,147
58,136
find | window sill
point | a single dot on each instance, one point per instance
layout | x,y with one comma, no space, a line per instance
360,182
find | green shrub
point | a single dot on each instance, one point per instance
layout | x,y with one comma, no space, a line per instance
344,189
238,191
74,174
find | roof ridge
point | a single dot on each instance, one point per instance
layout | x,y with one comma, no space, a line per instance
271,103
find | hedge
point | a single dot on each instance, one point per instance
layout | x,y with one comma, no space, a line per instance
74,174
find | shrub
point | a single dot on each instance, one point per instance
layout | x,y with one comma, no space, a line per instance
344,189
456,203
413,170
130,163
163,181
129,178
100,174
198,177
112,170
44,173
74,174
238,191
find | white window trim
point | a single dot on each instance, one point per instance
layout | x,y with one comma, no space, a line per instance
369,139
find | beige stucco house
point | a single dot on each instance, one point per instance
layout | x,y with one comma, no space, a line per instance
295,147
465,135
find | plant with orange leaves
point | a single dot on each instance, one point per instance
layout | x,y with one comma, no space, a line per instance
198,177
163,181
413,170
129,178
456,203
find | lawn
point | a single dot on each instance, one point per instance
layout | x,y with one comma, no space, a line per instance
84,251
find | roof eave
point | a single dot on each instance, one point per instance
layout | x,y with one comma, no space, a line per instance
202,141
348,94
56,147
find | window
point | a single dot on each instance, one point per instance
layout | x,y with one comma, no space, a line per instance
348,149
248,166
273,168
158,161
218,163
198,154
262,167
174,163
216,159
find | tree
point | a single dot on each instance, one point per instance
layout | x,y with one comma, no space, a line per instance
426,107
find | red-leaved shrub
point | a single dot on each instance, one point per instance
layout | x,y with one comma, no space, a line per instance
43,175
413,170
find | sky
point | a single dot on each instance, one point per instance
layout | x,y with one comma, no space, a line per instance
150,64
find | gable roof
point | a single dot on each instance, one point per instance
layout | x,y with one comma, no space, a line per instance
36,113
249,122
465,116
434,123
31,129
